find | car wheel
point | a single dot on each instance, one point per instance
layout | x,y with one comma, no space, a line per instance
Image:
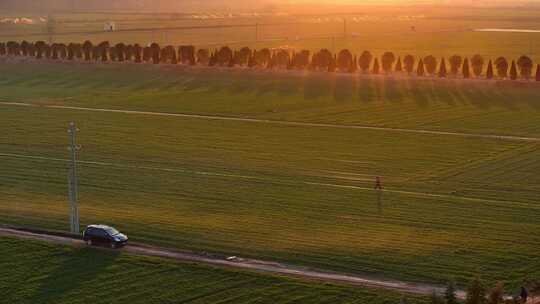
113,245
89,242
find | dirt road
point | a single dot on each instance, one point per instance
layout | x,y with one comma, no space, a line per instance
241,263
250,264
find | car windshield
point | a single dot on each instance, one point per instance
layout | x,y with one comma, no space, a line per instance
111,231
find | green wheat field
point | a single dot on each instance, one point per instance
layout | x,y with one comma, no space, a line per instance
453,206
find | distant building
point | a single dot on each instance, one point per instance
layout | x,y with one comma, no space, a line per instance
109,26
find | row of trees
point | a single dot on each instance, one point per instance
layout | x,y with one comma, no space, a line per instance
477,293
323,60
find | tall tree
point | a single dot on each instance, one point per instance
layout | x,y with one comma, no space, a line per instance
513,71
431,64
476,292
387,60
344,60
212,61
282,58
62,51
332,65
24,48
455,64
54,48
71,51
3,49
48,51
477,63
95,53
232,62
354,65
103,48
489,72
442,69
224,56
137,53
435,298
168,55
113,54
242,57
365,61
465,69
376,66
120,51
322,59
525,65
502,67
40,49
186,54
301,61
290,64
31,50
399,67
450,293
155,51
87,49
496,295
14,48
420,69
408,61
538,72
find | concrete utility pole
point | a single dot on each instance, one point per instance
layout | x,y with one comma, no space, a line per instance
50,27
257,32
344,28
72,181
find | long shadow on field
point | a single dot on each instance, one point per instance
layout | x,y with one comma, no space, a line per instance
79,269
478,97
420,96
503,99
344,88
392,91
445,95
316,86
266,88
288,86
241,86
366,90
194,84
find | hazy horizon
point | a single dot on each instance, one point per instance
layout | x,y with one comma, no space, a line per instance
174,6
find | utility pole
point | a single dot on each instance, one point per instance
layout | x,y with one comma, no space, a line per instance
257,32
344,28
50,27
72,181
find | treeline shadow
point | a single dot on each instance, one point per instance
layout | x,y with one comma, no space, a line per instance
77,270
423,92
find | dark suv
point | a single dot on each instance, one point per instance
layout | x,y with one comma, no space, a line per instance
104,235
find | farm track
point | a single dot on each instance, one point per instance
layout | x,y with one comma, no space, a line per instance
239,263
278,122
